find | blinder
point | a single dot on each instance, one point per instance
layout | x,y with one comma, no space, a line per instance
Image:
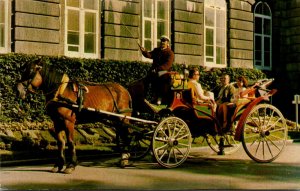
34,79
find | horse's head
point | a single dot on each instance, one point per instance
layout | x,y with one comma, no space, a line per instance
31,79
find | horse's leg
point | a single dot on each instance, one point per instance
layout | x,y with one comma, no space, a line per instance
125,142
61,148
71,146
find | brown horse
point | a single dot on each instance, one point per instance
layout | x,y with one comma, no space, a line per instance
61,93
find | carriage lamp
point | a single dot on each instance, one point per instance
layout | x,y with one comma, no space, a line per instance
181,76
186,73
296,101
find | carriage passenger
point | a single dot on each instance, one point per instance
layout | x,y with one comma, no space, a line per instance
243,93
240,91
198,93
158,76
225,96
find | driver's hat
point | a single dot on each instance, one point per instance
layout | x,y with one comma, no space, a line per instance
164,38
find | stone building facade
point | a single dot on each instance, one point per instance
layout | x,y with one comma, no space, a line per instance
261,34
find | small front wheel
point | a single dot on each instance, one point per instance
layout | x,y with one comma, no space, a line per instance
171,142
264,133
140,144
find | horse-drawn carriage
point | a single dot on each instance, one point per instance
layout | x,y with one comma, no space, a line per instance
259,125
167,130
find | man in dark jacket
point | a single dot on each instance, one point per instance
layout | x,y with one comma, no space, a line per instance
158,76
225,96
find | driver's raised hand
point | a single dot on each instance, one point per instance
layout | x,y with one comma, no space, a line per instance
142,49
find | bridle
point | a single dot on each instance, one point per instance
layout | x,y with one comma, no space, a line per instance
35,79
34,82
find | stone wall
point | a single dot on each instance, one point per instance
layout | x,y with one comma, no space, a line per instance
240,33
36,27
120,28
188,31
291,43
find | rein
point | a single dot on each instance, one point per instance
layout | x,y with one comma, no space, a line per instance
31,90
115,103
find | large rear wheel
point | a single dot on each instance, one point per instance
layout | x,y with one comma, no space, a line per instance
264,133
171,142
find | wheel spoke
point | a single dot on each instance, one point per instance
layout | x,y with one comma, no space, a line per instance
185,145
277,137
274,124
162,130
184,136
257,125
170,154
271,117
163,154
169,130
252,136
273,143
160,139
146,143
179,131
162,147
257,147
263,148
269,148
175,155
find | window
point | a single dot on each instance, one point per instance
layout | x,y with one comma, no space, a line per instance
262,36
155,22
82,28
3,26
215,33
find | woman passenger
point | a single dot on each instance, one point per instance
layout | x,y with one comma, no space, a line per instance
199,96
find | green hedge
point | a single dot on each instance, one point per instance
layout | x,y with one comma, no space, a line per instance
94,70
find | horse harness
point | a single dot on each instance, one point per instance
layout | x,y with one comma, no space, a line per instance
80,90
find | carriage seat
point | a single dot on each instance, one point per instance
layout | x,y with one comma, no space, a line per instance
239,107
201,110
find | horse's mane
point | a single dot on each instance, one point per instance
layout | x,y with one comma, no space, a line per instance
51,77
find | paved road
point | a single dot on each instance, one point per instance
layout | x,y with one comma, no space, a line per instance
203,170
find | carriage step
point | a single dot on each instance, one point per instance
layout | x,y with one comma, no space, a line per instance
154,107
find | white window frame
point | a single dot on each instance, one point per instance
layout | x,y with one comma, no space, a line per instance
208,4
262,35
82,12
155,39
5,48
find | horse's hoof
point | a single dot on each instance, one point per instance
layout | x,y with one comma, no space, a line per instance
69,170
126,163
56,169
125,160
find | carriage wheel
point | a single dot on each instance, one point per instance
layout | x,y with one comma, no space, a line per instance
230,145
171,142
140,144
264,133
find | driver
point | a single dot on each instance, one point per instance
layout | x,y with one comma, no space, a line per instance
158,77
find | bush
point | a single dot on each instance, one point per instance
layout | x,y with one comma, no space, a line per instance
94,70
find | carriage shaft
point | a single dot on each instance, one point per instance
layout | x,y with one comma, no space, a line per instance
116,114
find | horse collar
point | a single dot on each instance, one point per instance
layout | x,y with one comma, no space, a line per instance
64,83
